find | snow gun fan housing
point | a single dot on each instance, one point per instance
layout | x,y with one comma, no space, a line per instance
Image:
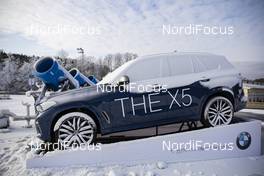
55,76
83,80
52,74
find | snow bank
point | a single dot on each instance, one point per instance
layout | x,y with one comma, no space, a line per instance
161,148
253,111
13,156
15,104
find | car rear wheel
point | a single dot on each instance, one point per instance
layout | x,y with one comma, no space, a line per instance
218,111
75,129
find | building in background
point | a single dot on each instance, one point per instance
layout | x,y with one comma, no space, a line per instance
255,93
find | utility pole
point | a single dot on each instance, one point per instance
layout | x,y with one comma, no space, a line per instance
81,51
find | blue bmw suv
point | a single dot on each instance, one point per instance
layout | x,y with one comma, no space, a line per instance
149,91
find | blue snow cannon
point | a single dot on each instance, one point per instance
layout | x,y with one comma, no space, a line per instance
93,79
83,80
52,73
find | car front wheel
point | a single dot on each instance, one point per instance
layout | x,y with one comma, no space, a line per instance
75,128
218,111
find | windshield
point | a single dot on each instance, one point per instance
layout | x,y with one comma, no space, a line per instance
113,77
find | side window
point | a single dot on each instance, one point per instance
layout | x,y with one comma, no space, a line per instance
180,65
165,70
210,63
197,65
215,62
145,69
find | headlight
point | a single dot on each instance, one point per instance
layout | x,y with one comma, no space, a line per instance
45,105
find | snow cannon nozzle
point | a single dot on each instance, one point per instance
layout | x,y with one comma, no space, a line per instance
53,74
83,80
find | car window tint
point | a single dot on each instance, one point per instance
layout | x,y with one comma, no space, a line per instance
165,70
114,76
180,65
215,62
197,65
144,69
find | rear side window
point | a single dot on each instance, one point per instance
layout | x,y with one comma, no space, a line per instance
180,65
214,62
145,69
197,65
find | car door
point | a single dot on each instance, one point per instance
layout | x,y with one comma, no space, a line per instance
141,105
184,89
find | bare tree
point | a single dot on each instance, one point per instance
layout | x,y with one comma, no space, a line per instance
108,61
117,60
62,54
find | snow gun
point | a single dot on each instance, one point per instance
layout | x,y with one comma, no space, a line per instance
82,80
57,79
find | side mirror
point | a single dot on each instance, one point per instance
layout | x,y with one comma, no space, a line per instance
123,80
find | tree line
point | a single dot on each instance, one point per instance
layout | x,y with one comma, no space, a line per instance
16,69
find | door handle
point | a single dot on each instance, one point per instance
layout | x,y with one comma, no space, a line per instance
204,79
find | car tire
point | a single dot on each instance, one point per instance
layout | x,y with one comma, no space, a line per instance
218,111
75,129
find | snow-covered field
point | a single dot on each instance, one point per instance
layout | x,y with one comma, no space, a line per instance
13,156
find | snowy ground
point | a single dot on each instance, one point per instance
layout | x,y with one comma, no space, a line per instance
13,156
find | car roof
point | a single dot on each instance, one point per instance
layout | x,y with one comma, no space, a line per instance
180,53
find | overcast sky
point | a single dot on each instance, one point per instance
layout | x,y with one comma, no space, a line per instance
36,27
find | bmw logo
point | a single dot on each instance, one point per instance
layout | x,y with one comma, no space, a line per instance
243,140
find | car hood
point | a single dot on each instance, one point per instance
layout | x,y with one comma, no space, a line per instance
74,94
